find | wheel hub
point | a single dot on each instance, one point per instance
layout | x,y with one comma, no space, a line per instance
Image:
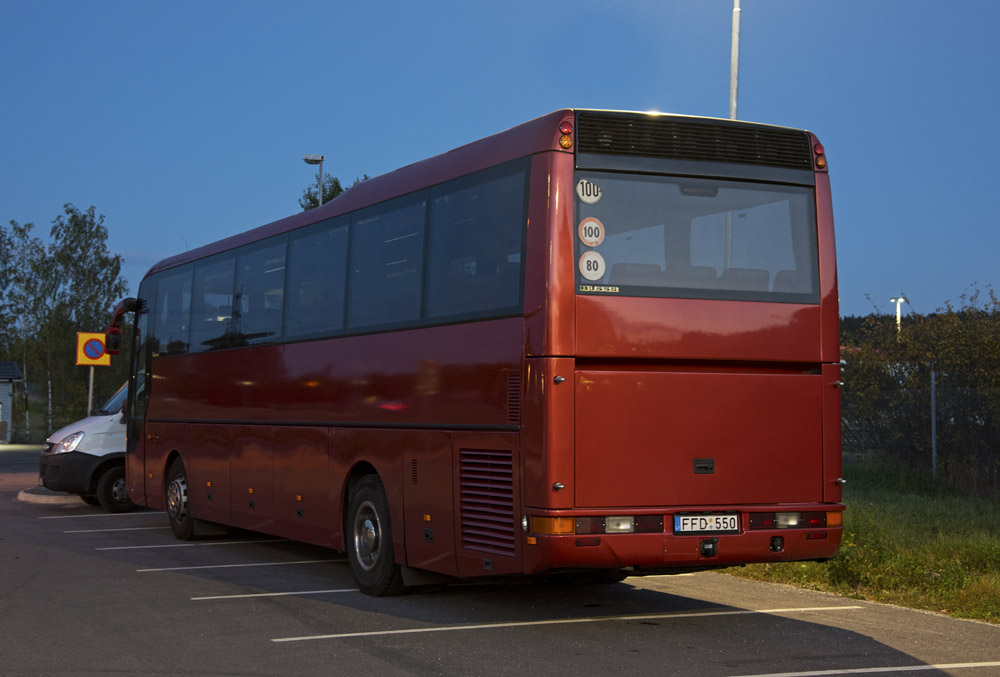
367,536
177,499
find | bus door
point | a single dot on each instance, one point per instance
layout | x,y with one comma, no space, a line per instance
138,394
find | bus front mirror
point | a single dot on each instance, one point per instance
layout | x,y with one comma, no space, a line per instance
112,339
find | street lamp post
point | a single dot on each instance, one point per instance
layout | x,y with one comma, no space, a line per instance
734,61
899,301
317,160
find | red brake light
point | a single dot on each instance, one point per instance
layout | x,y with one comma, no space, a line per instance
566,127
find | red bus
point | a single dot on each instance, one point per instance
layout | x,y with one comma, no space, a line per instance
596,343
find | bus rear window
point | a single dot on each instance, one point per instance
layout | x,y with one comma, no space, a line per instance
665,236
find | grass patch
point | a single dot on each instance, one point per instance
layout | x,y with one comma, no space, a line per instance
907,541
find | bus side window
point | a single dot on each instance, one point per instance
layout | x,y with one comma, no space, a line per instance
387,245
212,303
475,245
317,280
172,321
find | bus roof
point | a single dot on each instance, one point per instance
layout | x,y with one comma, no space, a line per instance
535,136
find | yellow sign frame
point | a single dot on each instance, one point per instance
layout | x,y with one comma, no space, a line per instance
82,359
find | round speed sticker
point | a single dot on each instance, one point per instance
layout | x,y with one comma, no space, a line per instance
591,232
592,265
588,192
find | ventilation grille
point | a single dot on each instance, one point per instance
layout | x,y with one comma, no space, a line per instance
681,138
514,398
487,501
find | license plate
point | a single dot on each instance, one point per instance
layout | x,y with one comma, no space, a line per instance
707,524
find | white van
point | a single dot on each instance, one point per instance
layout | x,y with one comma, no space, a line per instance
88,457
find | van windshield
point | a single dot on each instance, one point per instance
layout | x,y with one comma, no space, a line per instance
114,405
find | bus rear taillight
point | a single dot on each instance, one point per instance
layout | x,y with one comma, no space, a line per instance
795,520
611,524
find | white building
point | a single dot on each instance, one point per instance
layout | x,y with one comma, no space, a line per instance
9,374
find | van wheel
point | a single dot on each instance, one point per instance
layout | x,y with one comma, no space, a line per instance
178,508
112,493
369,540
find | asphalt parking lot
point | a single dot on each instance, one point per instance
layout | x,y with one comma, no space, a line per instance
86,592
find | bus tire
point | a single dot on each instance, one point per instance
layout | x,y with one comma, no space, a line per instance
177,504
112,492
369,540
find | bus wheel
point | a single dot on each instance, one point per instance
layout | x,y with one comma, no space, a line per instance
112,492
369,540
178,511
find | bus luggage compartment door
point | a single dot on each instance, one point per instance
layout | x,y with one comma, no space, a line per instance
659,438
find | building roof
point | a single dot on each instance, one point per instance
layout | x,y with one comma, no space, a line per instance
10,372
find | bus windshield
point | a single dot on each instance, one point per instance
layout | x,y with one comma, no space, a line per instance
667,236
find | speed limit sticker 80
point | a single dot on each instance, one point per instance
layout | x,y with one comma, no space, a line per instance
592,265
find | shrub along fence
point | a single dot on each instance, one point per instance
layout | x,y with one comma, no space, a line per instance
950,433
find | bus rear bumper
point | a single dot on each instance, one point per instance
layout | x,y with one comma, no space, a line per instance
650,553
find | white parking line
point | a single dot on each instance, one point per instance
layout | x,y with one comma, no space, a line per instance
275,594
100,514
233,566
98,531
564,621
191,545
874,670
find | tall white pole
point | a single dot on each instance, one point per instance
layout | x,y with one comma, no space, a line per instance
320,183
734,63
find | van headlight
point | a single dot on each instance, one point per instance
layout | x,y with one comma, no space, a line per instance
68,444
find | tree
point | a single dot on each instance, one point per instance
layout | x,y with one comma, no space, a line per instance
49,293
331,189
25,301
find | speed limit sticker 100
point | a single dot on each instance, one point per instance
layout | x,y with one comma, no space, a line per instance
591,232
588,192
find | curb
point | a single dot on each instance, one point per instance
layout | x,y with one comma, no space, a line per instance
45,496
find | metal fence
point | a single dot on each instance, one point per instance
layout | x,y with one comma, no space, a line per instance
951,433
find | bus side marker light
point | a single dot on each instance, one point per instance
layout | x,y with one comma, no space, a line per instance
820,156
298,498
250,490
427,517
834,519
532,540
566,140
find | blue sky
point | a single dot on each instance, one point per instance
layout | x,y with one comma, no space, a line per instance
185,122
